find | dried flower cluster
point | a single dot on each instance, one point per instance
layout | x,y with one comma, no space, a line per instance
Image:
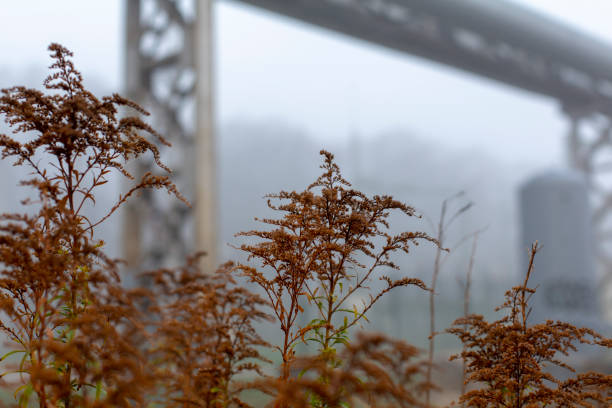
375,372
59,294
508,358
311,259
205,336
78,339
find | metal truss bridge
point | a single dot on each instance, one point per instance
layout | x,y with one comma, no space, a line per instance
169,70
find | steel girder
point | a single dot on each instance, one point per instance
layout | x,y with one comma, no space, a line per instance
504,42
168,72
590,152
495,39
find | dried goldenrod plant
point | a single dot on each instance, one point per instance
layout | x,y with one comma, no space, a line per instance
310,260
78,339
71,325
506,359
376,372
205,336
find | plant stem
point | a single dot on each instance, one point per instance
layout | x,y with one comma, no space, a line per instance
432,310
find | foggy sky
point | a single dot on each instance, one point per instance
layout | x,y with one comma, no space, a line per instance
279,77
273,67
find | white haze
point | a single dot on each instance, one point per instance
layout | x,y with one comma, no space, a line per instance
285,90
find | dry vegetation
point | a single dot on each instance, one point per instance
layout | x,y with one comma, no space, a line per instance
77,338
509,357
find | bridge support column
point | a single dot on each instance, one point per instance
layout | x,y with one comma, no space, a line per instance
206,174
589,150
168,71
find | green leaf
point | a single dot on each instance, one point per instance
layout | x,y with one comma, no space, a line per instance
19,389
301,374
10,353
340,341
25,355
12,372
98,389
25,395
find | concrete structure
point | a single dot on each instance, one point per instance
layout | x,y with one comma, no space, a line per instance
555,211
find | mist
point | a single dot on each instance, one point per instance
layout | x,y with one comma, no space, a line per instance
397,124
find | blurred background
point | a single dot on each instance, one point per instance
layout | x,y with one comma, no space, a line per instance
403,118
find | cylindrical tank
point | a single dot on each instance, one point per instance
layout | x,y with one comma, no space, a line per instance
555,211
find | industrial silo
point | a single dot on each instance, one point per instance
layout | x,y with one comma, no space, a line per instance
555,211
